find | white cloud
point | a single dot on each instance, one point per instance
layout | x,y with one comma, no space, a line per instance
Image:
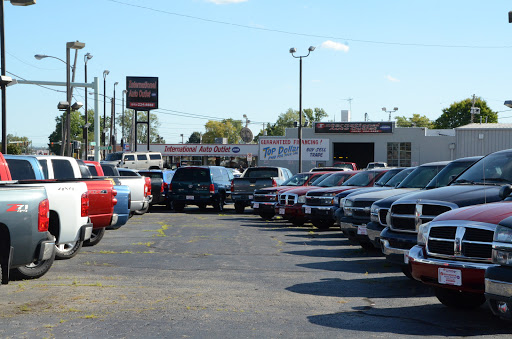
390,78
335,45
225,2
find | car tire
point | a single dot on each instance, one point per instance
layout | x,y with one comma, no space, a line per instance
267,216
218,205
459,299
96,237
322,224
32,271
179,207
239,207
406,270
368,246
202,207
67,250
298,221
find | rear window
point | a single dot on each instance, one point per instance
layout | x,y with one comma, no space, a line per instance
20,169
62,169
261,173
108,170
93,171
192,174
155,157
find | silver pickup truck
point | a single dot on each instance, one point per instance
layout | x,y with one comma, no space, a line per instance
253,178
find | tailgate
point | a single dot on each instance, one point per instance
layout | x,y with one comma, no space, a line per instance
248,185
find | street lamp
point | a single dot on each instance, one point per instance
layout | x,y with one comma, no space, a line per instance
105,73
181,135
394,110
2,66
87,57
292,51
113,120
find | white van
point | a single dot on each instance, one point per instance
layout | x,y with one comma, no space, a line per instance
136,160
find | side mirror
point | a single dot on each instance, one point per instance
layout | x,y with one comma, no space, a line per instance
505,191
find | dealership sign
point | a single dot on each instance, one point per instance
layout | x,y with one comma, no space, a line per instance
202,149
142,93
288,149
353,127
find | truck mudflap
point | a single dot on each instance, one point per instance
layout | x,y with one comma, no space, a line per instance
86,231
6,265
498,291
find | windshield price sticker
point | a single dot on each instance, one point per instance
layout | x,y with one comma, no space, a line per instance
307,210
190,197
449,276
250,197
281,211
361,229
256,205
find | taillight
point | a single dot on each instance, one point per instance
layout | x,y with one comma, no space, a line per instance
114,200
162,188
85,205
212,188
147,187
43,217
232,187
170,187
274,183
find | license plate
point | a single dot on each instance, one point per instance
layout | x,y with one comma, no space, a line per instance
256,205
190,197
449,276
281,211
361,230
250,197
307,210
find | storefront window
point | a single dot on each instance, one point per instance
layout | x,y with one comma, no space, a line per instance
399,154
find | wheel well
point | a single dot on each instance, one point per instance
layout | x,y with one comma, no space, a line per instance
5,241
54,227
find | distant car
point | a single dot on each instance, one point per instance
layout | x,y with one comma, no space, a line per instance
160,181
328,169
377,164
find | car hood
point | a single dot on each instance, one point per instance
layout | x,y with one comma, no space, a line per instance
302,190
459,195
362,190
489,213
383,194
335,189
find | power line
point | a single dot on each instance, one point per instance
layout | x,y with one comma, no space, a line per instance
304,34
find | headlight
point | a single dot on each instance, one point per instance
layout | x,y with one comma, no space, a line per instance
336,201
347,210
342,202
273,197
501,257
374,213
388,218
503,234
301,199
423,234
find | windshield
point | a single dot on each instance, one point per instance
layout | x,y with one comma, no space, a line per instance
387,176
421,176
397,179
114,156
319,179
494,169
335,179
451,170
361,179
297,179
192,175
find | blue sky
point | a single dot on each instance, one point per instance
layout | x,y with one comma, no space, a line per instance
227,58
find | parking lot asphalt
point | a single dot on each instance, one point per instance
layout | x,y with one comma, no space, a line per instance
202,274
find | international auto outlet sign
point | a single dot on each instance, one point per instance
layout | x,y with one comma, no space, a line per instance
228,150
142,93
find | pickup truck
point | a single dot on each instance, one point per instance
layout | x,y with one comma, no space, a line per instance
356,209
265,199
352,166
122,208
479,184
27,249
140,188
290,202
159,187
319,206
101,194
253,178
69,205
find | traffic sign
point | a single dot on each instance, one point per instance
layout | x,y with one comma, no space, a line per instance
108,148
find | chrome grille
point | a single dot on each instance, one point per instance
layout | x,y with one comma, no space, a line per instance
406,217
383,212
460,242
265,197
287,199
319,200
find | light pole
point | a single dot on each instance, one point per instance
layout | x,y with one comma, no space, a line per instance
76,45
394,110
122,120
113,120
181,135
292,51
87,57
5,79
105,73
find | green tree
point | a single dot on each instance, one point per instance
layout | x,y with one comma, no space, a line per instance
290,117
227,128
18,145
154,124
195,138
415,121
459,114
77,123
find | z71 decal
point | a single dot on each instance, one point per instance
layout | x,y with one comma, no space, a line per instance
17,208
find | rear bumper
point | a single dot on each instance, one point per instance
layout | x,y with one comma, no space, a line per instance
86,231
207,199
242,198
47,247
427,270
121,220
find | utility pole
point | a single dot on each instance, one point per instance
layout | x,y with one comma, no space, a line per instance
474,110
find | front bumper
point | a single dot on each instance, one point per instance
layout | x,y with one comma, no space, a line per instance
260,206
319,212
498,290
374,230
355,232
465,276
289,212
396,245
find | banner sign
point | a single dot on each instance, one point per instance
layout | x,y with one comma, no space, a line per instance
142,93
354,127
233,150
288,149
